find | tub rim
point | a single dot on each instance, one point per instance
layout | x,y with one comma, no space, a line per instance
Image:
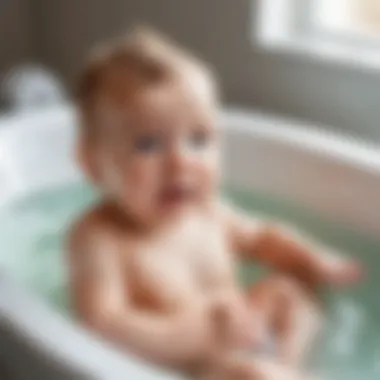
26,311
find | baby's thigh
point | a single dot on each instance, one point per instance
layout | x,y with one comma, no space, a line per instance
280,293
233,367
289,314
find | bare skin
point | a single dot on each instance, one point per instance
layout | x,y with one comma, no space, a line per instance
153,264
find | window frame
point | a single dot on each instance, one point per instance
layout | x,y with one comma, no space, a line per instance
290,26
342,34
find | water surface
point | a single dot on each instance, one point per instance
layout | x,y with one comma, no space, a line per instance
32,233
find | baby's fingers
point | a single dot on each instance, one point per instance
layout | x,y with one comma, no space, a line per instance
343,272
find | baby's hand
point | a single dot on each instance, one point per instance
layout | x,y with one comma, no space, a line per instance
341,272
234,322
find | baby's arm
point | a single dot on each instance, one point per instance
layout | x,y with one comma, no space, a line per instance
101,301
285,250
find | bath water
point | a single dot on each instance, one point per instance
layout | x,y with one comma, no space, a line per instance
32,234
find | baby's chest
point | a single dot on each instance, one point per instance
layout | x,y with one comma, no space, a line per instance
173,270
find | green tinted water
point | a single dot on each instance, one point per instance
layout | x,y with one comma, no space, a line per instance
31,240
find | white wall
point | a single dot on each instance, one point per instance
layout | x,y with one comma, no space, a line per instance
219,31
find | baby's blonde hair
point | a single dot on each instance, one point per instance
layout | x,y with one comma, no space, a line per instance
117,71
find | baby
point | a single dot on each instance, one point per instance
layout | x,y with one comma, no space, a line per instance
152,266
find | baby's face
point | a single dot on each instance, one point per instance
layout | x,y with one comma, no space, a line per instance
161,155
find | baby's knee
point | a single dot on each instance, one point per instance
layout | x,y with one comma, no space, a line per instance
291,289
232,367
278,285
285,294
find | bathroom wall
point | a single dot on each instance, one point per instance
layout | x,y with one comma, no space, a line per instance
220,31
16,32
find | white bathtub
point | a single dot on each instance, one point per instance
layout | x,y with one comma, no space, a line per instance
336,178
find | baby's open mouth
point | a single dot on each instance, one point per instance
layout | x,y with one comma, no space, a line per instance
176,194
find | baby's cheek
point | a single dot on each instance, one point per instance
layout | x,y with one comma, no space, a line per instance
143,178
212,161
112,179
210,176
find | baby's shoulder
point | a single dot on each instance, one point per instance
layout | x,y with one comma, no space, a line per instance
91,231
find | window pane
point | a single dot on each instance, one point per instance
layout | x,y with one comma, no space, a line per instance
366,15
350,17
333,15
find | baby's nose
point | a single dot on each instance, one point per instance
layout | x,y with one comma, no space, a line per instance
180,159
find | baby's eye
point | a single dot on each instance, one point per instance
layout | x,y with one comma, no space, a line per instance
199,139
148,144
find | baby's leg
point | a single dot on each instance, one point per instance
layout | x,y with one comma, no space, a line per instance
291,313
250,368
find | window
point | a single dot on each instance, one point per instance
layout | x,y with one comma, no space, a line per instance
348,30
350,19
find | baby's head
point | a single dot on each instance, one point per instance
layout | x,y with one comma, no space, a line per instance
148,134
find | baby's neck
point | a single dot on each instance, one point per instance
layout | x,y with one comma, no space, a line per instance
122,218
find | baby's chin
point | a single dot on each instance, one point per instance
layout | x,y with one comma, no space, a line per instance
155,215
175,208
176,199
164,207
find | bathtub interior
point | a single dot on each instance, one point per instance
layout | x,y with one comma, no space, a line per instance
309,188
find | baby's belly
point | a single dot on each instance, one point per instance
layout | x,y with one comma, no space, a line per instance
169,286
165,296
170,297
